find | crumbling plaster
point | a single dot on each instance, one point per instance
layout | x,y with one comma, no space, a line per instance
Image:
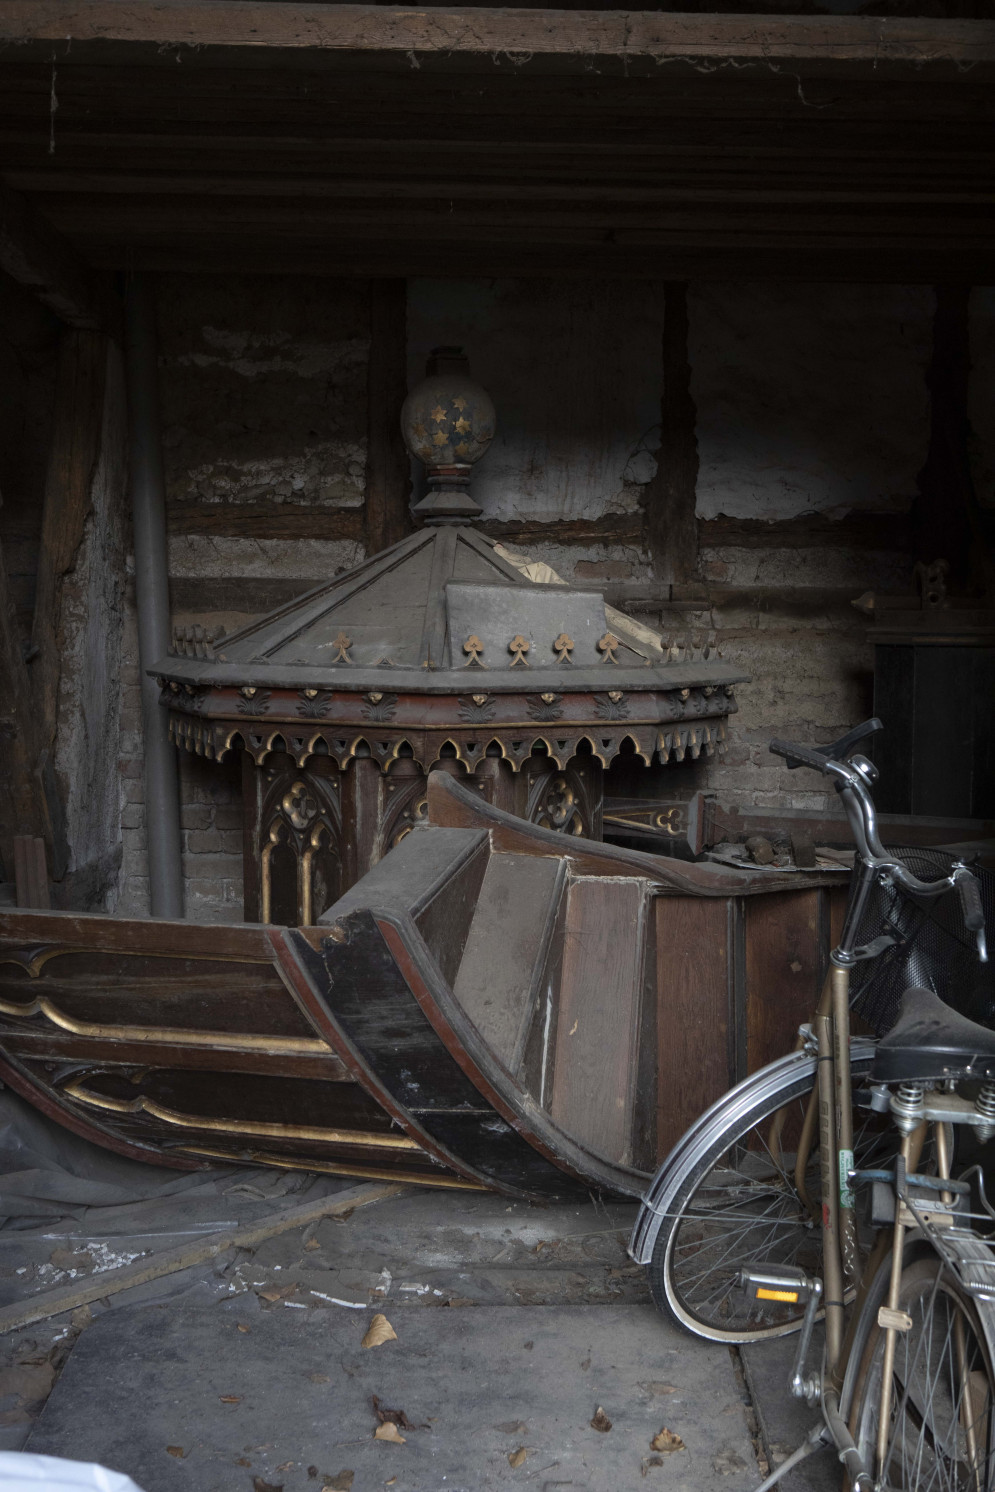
810,398
263,389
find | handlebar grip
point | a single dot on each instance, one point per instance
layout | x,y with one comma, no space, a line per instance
799,756
970,902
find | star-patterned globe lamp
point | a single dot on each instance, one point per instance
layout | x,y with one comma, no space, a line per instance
448,422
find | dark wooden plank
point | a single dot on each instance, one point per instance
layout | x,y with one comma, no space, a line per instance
496,979
388,470
693,977
598,1018
783,965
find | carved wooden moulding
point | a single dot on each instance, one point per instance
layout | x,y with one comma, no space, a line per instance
438,652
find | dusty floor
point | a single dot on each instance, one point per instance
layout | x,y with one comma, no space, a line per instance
514,1326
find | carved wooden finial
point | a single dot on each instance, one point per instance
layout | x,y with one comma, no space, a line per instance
473,647
342,644
607,646
563,647
518,647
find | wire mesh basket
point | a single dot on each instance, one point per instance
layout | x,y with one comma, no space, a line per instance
934,950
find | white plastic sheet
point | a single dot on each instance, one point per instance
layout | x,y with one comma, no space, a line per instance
22,1472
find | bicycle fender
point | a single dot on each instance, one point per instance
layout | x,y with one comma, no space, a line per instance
694,1144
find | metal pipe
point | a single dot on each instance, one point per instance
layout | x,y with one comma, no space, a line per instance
162,789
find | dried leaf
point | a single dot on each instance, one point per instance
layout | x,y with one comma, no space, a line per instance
649,1461
231,1398
666,1442
389,1431
512,1427
258,1485
312,1244
241,1326
601,1421
393,1416
242,1461
287,1465
657,1389
312,1472
341,1482
517,1458
175,1450
380,1331
318,1378
277,1292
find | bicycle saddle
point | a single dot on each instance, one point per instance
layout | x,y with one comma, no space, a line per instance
929,1040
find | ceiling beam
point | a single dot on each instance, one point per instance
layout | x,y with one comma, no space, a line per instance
41,260
256,25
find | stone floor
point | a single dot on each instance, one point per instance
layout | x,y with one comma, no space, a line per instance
514,1326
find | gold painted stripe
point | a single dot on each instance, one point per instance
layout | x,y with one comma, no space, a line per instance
170,1035
334,1168
239,1126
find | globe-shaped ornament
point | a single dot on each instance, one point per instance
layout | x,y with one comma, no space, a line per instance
448,422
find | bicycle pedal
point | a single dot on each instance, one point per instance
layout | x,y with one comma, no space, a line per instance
783,1284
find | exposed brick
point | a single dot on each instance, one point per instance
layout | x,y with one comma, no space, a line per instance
203,867
203,842
229,816
195,816
133,816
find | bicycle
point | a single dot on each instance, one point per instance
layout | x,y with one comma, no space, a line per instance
733,1232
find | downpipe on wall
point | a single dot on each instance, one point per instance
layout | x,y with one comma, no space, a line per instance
162,789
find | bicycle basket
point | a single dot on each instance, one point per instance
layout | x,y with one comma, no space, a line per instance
934,949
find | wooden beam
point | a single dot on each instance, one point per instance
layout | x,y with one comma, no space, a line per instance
388,471
73,456
671,493
41,260
256,26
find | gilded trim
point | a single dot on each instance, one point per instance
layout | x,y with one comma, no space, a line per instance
168,1035
333,1168
367,1138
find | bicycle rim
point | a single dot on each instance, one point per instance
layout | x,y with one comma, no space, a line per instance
941,1434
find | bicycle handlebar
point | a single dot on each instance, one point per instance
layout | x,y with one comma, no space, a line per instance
854,789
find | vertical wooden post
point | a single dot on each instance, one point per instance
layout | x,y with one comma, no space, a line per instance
945,512
670,497
24,807
73,457
388,471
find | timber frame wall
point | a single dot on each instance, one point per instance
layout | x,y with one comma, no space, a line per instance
320,168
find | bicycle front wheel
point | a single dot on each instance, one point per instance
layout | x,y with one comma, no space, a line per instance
731,1200
941,1426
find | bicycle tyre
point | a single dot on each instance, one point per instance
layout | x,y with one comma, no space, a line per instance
710,1305
937,1409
